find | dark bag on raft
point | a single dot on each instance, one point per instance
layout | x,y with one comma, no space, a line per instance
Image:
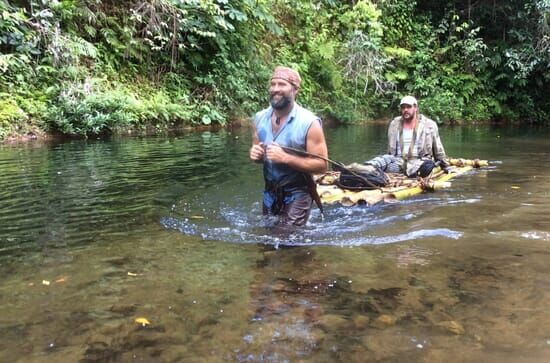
360,177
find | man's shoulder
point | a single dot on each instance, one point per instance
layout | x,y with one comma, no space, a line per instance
395,121
428,121
262,114
303,114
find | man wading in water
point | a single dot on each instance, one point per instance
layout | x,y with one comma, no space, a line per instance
289,187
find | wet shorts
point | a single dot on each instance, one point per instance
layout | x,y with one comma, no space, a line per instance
295,212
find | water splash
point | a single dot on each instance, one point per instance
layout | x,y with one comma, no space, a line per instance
341,226
538,235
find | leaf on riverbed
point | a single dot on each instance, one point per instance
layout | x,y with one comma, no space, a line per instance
514,187
142,321
132,274
61,279
45,282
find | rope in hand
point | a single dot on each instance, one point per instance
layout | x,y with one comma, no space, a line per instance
333,162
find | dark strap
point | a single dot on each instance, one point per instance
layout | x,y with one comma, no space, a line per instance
312,188
279,190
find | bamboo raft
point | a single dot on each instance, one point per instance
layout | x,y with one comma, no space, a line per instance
399,188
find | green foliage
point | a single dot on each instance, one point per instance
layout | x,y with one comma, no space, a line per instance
18,45
207,114
400,22
10,114
82,114
91,109
443,106
87,66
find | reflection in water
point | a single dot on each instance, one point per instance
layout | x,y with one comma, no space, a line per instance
75,192
285,311
94,234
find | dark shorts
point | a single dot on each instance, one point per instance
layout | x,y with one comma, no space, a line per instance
295,213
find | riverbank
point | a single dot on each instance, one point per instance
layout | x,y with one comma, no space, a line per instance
35,134
41,136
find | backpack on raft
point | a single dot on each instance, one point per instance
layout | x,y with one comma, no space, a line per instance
360,177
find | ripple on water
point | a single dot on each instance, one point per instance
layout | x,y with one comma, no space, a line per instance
532,235
544,236
341,226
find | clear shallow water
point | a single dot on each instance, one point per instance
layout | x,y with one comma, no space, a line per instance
167,228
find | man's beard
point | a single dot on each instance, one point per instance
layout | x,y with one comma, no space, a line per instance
409,117
281,104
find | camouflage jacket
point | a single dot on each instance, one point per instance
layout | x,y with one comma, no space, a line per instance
426,146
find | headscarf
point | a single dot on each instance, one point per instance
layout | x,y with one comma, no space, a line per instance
288,74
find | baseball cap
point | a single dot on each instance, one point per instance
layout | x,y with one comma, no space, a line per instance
408,100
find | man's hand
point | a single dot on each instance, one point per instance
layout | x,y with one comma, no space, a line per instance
276,154
446,167
257,152
449,169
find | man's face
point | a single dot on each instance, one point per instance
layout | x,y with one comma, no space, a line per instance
408,112
281,93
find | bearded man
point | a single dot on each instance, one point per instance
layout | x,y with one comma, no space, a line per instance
279,130
414,145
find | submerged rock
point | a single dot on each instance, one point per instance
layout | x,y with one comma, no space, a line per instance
361,321
330,322
384,321
313,313
99,351
124,309
452,326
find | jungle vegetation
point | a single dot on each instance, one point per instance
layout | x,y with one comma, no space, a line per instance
85,67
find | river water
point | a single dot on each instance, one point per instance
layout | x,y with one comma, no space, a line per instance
95,234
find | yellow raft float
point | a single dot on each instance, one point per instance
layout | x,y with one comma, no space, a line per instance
400,187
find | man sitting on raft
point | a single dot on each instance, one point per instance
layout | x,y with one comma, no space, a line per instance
414,146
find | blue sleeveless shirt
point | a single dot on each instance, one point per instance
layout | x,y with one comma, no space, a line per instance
293,134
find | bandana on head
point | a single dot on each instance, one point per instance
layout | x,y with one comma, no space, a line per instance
288,74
